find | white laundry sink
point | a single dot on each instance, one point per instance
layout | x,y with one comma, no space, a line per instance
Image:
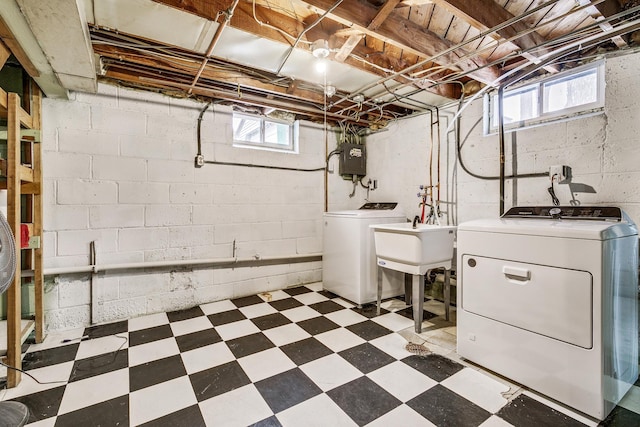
411,250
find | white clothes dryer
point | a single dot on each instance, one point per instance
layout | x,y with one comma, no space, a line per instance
549,298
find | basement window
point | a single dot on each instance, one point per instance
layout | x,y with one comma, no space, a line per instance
557,97
262,132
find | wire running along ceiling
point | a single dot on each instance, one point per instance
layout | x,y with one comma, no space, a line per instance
403,56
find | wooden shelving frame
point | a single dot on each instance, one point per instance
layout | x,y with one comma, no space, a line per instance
23,179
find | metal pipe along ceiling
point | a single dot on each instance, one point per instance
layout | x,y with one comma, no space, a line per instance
450,79
214,41
451,49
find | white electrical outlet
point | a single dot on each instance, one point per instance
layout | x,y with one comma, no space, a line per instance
560,173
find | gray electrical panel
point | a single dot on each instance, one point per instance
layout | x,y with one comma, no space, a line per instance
353,160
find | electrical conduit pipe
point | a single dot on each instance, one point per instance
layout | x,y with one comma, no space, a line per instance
211,262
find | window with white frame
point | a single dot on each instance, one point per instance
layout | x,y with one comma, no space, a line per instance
254,131
557,97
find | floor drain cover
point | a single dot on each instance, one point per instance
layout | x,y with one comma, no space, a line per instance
418,349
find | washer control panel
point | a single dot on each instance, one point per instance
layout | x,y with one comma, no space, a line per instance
380,206
602,213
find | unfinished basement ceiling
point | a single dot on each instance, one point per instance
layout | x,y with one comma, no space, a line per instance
387,60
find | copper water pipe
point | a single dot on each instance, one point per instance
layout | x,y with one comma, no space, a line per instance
228,14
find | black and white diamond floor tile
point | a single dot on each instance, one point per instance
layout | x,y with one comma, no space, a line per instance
300,356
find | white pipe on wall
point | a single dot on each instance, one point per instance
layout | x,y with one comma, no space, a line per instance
213,262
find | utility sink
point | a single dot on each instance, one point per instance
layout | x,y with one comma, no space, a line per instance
411,250
414,251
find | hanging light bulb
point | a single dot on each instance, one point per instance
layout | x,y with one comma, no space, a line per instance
321,66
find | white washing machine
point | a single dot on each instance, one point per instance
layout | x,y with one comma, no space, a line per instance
349,256
548,297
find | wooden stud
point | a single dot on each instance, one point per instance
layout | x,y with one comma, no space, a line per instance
14,306
36,108
354,39
5,53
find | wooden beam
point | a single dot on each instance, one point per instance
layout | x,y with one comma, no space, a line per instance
243,20
23,117
7,37
406,35
25,173
348,46
277,24
14,306
5,53
354,39
411,3
382,64
4,101
384,12
211,72
36,107
242,98
346,32
604,10
485,14
25,187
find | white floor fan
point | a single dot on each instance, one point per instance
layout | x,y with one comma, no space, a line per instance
12,414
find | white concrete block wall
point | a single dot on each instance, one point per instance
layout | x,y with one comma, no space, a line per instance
601,150
119,170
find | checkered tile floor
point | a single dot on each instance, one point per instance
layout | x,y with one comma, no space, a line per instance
303,358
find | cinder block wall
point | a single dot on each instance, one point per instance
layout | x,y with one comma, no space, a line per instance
119,170
602,151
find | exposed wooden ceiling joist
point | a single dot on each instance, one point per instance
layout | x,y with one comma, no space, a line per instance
189,67
243,19
354,39
139,78
382,63
486,14
407,35
272,25
228,80
603,10
403,55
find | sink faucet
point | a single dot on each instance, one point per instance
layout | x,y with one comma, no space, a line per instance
416,220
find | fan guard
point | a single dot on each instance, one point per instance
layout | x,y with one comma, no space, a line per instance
11,413
7,255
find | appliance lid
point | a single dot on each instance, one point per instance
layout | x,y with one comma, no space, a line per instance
592,223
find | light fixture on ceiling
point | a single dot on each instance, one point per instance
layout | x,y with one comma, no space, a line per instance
320,48
359,98
329,90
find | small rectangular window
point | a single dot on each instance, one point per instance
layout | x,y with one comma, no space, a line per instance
518,105
263,132
246,129
570,92
555,97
